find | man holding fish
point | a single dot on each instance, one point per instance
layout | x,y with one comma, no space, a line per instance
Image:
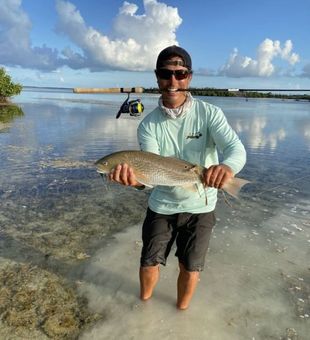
192,130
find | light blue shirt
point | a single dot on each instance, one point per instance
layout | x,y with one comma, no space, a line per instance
195,137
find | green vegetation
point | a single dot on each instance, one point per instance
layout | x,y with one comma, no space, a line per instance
211,92
7,87
9,112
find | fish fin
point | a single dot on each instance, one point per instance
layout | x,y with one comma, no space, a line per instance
148,185
191,187
195,168
226,199
206,197
142,179
195,188
234,185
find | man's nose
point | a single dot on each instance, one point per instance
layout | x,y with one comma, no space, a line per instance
173,80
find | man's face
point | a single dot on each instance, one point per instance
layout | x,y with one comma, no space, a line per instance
169,83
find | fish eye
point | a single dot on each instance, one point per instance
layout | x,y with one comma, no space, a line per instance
105,163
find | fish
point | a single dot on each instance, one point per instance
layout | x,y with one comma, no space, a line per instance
151,170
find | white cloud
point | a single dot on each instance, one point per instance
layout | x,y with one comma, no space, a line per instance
136,41
243,66
205,72
15,44
306,71
133,43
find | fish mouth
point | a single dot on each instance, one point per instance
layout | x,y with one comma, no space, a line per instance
100,170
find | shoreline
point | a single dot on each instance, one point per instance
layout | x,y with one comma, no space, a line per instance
213,92
204,91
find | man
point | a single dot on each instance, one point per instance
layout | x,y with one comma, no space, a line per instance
187,128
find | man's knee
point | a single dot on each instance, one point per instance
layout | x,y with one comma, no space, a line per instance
188,273
150,269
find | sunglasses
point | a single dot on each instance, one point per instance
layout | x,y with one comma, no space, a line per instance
166,74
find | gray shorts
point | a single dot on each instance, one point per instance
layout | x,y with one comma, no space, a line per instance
190,231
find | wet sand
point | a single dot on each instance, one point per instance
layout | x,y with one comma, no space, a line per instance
252,288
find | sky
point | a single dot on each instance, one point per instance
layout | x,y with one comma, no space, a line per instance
105,43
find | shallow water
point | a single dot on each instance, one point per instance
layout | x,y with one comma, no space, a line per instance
57,214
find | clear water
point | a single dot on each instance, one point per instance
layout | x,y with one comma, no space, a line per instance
56,213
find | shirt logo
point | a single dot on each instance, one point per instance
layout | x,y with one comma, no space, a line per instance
194,135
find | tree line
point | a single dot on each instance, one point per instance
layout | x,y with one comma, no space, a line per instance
7,87
213,92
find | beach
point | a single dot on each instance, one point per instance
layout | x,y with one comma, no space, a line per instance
70,243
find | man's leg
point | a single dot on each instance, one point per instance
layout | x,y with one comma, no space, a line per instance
157,237
148,278
187,282
194,231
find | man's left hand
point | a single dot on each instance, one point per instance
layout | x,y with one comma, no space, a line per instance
217,175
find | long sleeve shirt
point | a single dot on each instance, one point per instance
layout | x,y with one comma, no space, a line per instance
196,137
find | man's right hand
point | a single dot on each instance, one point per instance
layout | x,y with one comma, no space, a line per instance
123,174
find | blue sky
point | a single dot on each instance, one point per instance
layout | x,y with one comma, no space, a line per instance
91,43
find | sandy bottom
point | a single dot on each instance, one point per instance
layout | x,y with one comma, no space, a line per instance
253,286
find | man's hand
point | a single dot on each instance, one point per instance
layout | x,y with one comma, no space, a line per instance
123,174
217,175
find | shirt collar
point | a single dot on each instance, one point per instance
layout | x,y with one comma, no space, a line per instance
179,111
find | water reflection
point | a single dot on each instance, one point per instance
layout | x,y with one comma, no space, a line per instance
269,132
269,125
257,136
7,114
303,126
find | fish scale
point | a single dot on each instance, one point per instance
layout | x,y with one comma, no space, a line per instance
151,170
170,172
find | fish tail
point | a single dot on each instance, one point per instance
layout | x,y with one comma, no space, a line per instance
234,185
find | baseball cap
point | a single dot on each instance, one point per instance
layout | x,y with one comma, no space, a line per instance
166,53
